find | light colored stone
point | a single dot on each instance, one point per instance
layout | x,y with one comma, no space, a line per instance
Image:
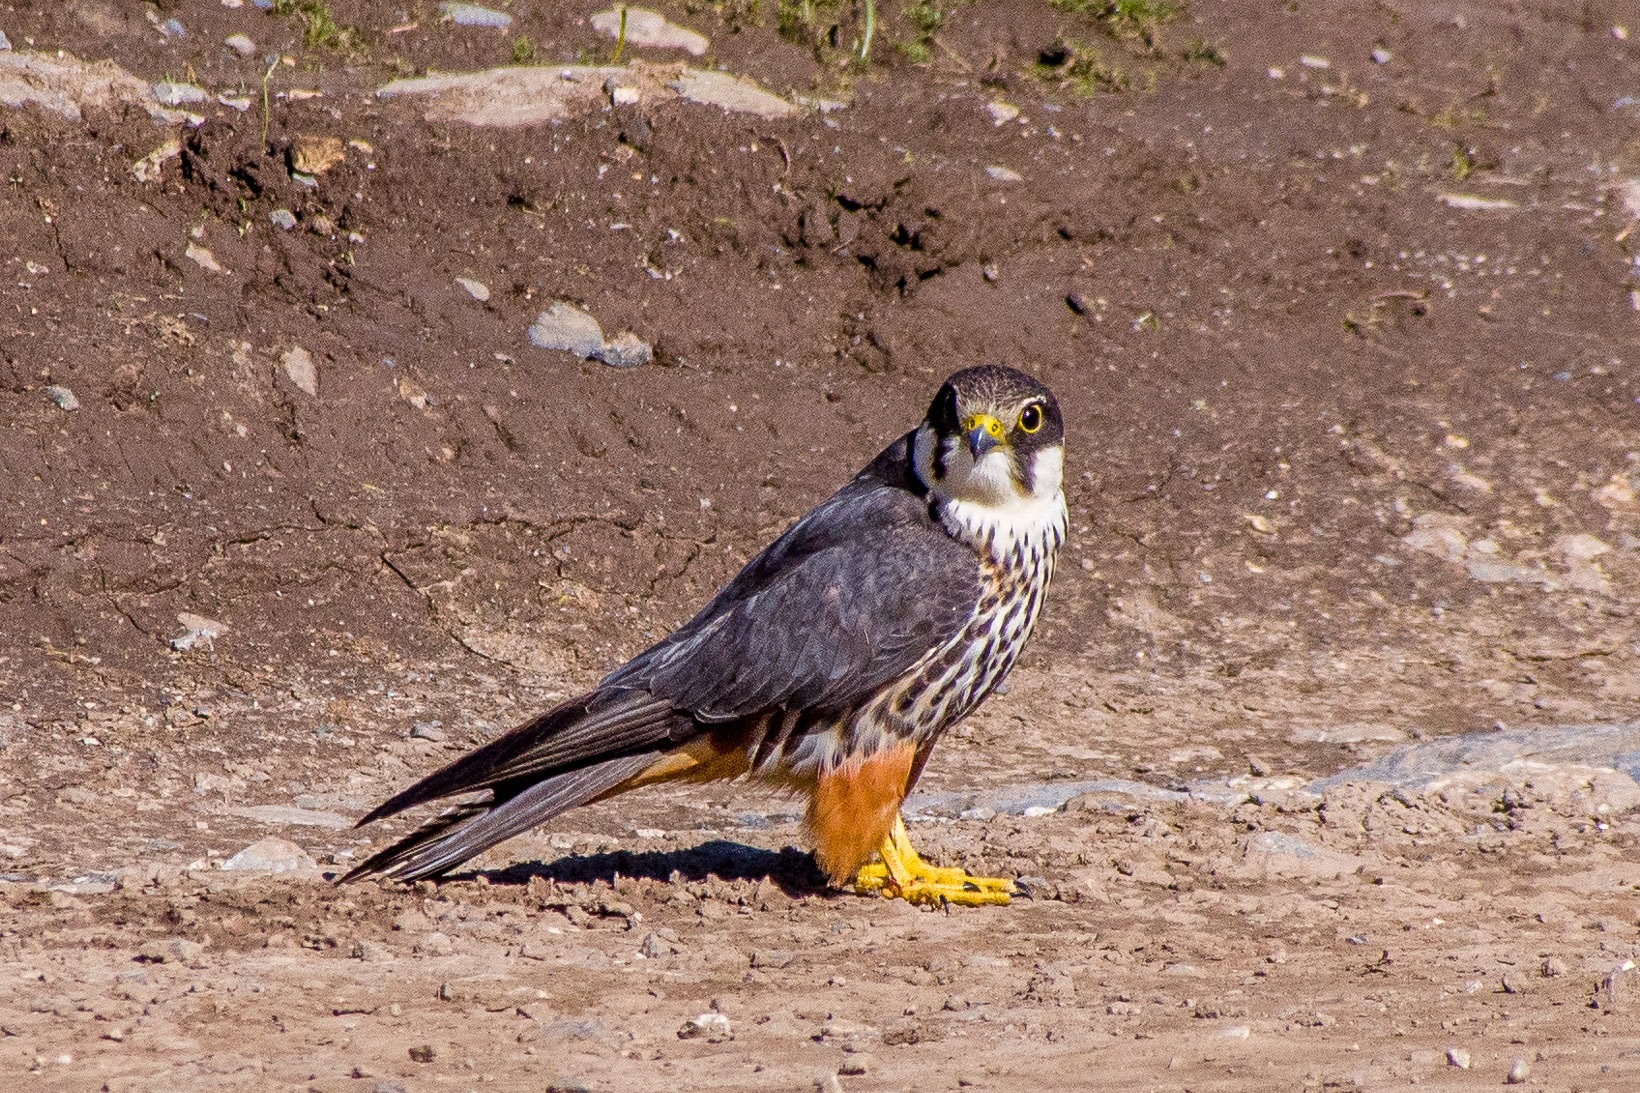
474,15
273,855
150,166
240,44
478,290
565,326
299,366
649,29
1475,203
711,1027
290,815
62,396
203,258
180,94
734,94
625,350
63,84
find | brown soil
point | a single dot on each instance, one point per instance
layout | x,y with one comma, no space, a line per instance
1348,349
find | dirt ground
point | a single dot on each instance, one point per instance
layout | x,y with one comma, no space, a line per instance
1343,305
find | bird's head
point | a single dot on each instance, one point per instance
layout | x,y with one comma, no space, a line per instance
993,437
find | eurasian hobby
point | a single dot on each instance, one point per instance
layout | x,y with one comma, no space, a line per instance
828,667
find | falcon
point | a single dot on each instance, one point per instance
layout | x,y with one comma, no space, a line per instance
827,668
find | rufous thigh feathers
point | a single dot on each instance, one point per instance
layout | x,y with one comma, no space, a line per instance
853,809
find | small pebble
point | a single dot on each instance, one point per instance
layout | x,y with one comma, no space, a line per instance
1004,174
1381,56
1001,112
299,366
283,218
712,1027
63,397
1458,1057
426,730
5,43
240,44
478,290
1518,1073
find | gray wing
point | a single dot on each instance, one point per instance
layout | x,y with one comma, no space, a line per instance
848,599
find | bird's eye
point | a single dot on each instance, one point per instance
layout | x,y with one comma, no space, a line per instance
1030,418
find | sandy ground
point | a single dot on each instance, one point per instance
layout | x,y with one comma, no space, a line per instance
1320,775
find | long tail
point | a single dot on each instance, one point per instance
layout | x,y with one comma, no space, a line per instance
572,754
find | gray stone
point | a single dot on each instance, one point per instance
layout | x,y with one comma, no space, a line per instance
426,730
1600,758
68,86
240,44
625,350
1519,1072
649,29
5,43
475,15
63,397
478,290
273,855
565,326
300,817
180,94
282,218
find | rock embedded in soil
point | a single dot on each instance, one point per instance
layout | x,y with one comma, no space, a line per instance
299,366
565,326
241,44
474,15
625,350
180,94
273,855
63,397
649,29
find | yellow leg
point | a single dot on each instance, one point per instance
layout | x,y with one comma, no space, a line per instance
902,872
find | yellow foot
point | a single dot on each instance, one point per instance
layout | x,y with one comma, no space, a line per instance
902,872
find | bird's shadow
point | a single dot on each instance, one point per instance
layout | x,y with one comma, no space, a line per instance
793,871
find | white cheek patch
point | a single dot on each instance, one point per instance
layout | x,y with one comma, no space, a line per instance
1048,472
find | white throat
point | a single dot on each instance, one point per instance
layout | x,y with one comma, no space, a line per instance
983,504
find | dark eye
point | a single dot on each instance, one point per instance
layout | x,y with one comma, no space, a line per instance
1030,418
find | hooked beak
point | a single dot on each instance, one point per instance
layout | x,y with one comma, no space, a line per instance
983,432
